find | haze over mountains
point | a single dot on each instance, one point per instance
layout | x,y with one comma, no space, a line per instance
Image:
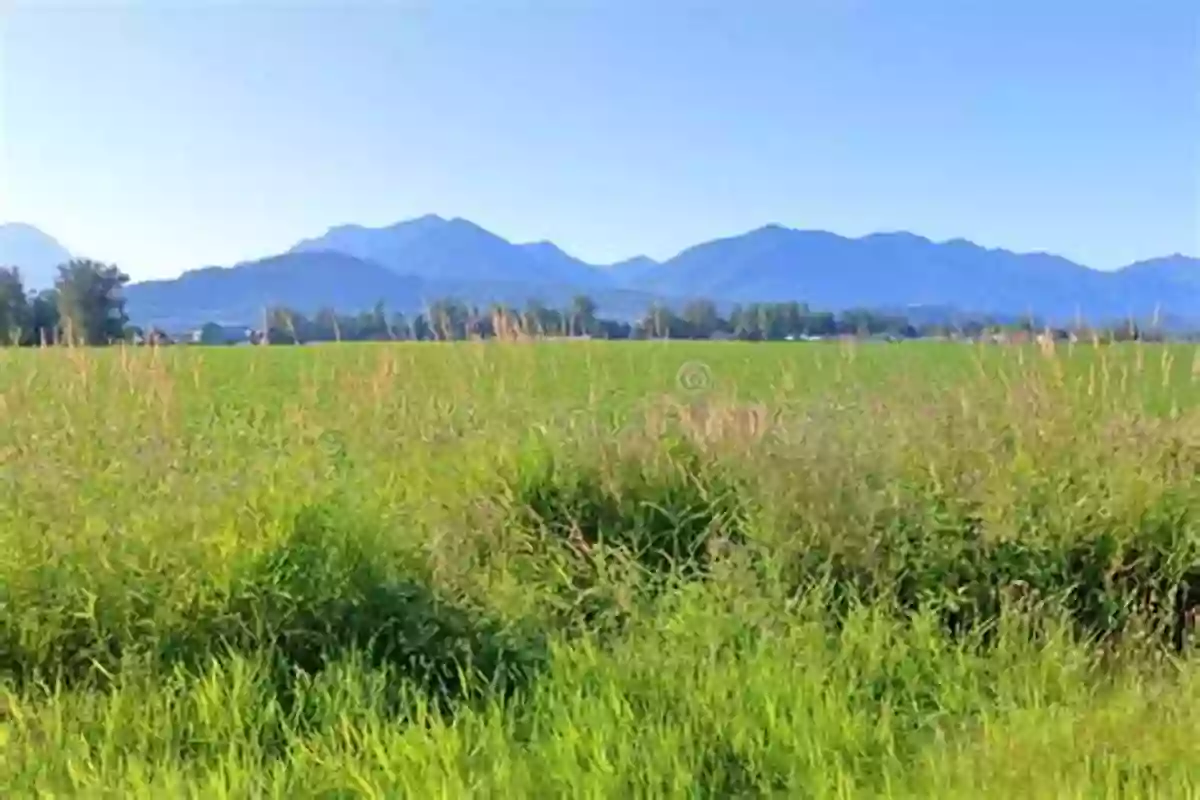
36,253
412,263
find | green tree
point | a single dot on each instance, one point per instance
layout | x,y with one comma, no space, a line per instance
14,307
538,320
325,326
746,322
376,325
583,315
211,334
90,304
44,321
657,322
449,319
421,328
743,322
773,321
820,323
283,326
793,318
701,319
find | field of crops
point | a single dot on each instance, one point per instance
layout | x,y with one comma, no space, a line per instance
586,569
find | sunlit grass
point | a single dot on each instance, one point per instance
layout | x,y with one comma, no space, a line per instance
548,569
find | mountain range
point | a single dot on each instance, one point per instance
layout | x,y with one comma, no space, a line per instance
412,263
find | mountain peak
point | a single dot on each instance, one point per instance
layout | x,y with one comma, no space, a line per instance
36,253
467,225
1177,268
771,227
347,228
635,261
435,248
23,231
423,221
543,246
905,237
23,228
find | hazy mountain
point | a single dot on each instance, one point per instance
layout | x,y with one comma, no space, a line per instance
416,262
1176,270
901,269
37,254
632,271
559,266
371,244
456,249
237,295
310,281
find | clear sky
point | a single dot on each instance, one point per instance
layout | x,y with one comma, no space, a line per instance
167,135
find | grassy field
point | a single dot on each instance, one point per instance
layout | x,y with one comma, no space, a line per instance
584,569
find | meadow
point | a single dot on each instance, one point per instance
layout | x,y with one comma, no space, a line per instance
589,569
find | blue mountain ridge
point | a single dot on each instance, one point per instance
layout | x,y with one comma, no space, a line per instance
409,264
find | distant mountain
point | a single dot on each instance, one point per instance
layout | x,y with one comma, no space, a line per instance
455,249
558,266
825,270
37,254
237,295
632,271
1167,271
310,281
413,263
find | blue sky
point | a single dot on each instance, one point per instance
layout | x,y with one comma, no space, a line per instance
168,135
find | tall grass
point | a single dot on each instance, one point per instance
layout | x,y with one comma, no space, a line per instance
548,569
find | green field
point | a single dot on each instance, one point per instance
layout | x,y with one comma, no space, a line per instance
586,569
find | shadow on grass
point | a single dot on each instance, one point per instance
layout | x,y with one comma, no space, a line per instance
661,517
319,597
934,554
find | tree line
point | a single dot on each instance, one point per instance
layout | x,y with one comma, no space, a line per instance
450,320
86,306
